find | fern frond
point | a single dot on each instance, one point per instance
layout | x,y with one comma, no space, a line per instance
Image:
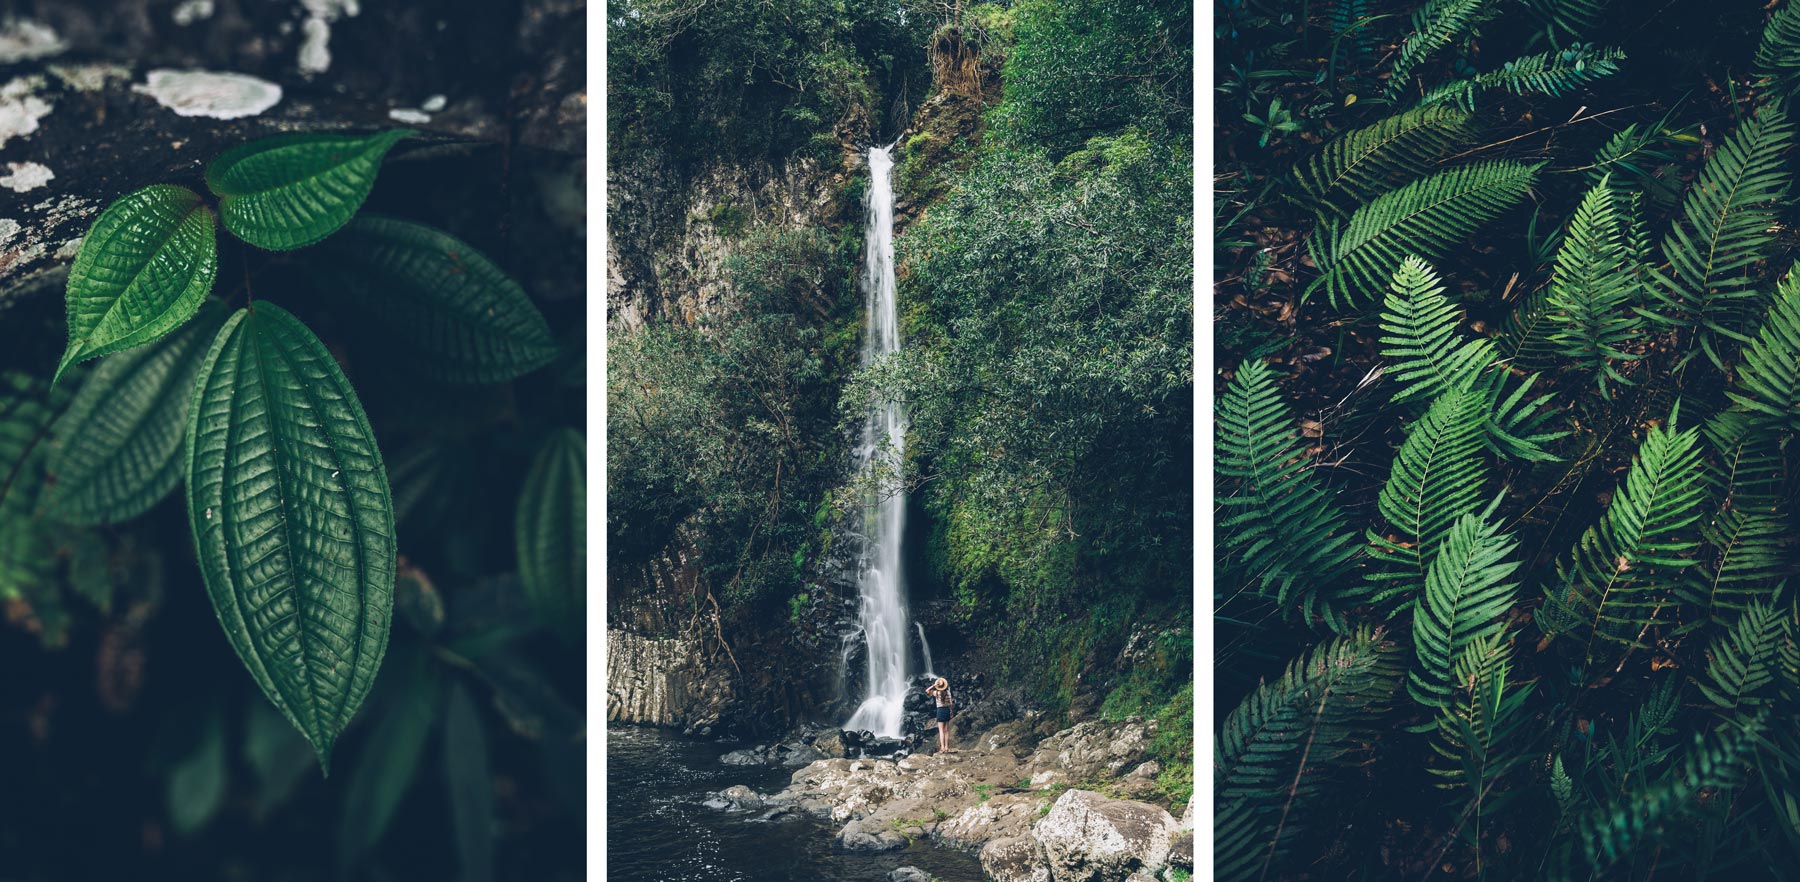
1518,424
1524,334
1314,714
1716,760
1436,479
1420,327
1572,18
1466,595
1725,227
1423,218
1593,287
1747,536
1553,74
1778,54
1435,25
1278,526
1743,659
1768,380
1616,583
1361,164
1478,732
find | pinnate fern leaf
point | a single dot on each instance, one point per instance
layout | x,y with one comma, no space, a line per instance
292,190
1419,327
454,315
1554,74
1593,288
1361,164
1743,660
1725,227
142,270
1436,479
1467,594
1278,527
1778,53
292,518
551,533
1435,25
1618,579
1478,731
1424,218
1768,380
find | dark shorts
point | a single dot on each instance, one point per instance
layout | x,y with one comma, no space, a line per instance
943,713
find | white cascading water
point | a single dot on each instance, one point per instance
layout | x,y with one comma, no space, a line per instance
879,578
926,649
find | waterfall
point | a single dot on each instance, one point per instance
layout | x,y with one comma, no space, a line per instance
879,578
925,648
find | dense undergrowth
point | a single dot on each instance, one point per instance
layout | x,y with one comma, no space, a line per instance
1044,184
1507,330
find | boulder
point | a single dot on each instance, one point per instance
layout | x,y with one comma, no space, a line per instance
1089,838
830,744
737,798
797,755
1147,770
1015,859
856,836
1181,851
752,756
1095,750
909,874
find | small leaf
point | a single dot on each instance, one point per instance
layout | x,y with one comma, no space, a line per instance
471,786
457,315
197,784
389,759
551,533
118,449
292,519
142,270
292,190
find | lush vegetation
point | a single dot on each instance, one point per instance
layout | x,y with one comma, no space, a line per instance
1044,186
295,503
1507,316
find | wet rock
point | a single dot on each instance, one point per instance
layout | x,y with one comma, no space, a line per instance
737,798
796,755
831,745
751,756
857,836
909,874
1090,838
1015,859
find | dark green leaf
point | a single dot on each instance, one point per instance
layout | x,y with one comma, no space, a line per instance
551,531
292,518
390,758
471,786
456,316
197,785
142,270
292,190
118,448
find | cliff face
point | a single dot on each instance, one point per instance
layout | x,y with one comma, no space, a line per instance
668,682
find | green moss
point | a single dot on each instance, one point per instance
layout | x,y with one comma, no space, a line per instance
797,605
1173,747
729,218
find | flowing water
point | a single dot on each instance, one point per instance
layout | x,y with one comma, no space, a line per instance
658,831
925,648
881,583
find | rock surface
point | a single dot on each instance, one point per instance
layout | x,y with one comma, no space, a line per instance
1090,838
981,799
668,682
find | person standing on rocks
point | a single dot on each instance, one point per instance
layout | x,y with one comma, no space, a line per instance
941,691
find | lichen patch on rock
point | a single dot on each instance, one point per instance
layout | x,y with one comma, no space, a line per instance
23,176
210,94
22,39
21,107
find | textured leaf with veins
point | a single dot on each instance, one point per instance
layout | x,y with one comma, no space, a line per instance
292,190
552,532
142,270
455,314
118,449
293,519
